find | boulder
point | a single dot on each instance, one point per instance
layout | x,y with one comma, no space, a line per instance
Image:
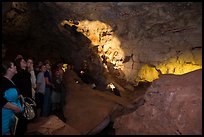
173,105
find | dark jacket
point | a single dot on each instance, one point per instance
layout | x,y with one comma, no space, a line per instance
23,82
5,84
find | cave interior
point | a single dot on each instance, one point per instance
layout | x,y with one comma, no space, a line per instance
130,52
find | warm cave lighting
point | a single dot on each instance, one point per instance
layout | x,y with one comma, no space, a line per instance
64,67
101,36
81,72
179,67
109,50
110,86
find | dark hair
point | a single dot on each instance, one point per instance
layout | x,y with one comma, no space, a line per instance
42,65
5,66
54,70
31,58
17,63
46,61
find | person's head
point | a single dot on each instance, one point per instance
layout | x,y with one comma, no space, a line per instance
47,64
30,63
60,68
60,64
42,68
40,63
37,67
8,68
56,72
20,63
18,56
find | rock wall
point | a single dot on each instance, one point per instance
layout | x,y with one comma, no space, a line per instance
173,106
132,42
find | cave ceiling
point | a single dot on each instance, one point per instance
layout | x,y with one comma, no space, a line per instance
128,41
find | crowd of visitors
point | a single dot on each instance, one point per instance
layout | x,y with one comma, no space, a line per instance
43,82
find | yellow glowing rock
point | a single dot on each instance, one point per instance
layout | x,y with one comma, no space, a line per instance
187,56
197,55
147,73
94,39
188,61
64,67
186,68
180,66
101,34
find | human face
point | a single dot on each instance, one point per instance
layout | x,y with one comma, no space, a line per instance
29,63
23,64
48,66
57,73
13,69
43,68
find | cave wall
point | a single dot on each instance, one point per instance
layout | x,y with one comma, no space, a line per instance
131,41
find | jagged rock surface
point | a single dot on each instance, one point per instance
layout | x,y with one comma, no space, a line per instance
173,105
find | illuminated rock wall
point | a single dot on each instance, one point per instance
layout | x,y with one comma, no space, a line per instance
153,38
132,41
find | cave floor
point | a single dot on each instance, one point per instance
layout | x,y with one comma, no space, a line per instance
88,109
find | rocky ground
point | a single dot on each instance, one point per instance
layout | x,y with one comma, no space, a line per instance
173,106
169,105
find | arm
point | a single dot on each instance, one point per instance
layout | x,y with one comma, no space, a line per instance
47,82
11,106
33,79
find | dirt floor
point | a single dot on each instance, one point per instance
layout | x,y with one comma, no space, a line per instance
92,111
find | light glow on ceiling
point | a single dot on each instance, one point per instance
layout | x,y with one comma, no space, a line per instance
109,50
102,36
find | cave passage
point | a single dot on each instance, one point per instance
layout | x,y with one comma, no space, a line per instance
128,67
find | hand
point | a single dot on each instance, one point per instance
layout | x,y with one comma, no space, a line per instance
17,109
31,67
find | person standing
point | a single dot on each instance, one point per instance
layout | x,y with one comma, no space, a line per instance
10,94
5,103
22,79
48,90
33,77
40,90
58,94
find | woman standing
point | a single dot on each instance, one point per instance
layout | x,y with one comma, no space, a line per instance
10,93
22,79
